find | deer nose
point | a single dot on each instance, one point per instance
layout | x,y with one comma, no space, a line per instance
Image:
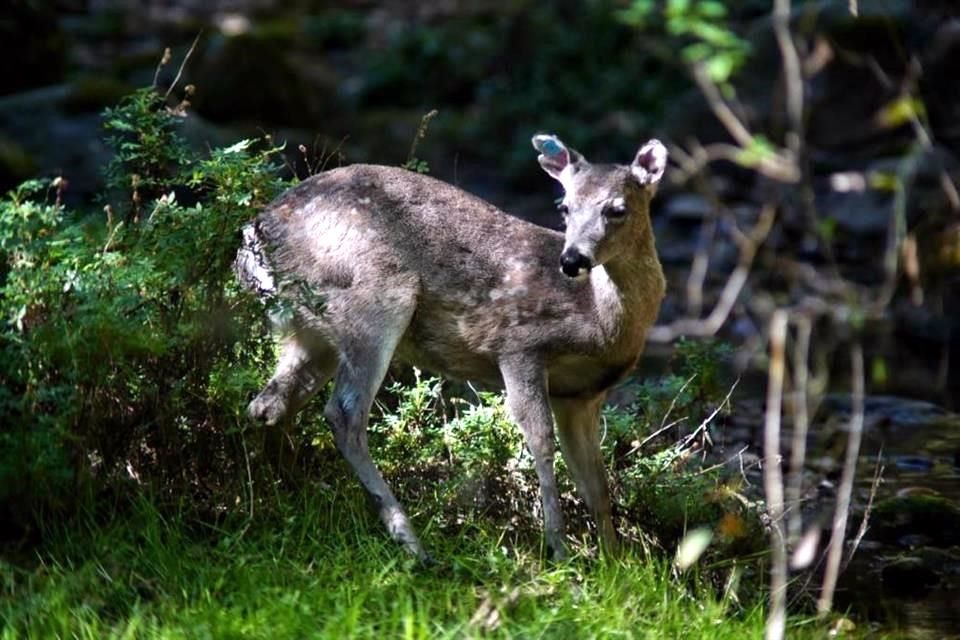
573,263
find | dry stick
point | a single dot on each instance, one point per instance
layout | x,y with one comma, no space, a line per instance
801,424
160,65
864,524
835,552
706,421
775,165
773,478
701,261
792,75
183,64
748,244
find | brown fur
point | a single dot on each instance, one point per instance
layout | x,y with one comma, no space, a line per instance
411,268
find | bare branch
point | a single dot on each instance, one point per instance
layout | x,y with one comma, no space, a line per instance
773,478
842,509
731,291
864,524
801,423
792,75
774,165
183,64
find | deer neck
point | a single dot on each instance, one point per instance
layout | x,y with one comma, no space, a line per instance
627,292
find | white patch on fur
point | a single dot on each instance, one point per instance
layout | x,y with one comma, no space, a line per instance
251,263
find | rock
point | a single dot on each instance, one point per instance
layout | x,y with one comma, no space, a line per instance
913,464
933,517
867,212
890,410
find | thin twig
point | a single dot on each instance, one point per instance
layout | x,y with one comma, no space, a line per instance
706,421
864,524
183,64
774,165
801,424
731,290
673,403
164,60
656,433
792,76
842,509
773,478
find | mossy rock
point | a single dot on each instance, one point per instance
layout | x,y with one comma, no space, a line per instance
934,517
16,165
94,93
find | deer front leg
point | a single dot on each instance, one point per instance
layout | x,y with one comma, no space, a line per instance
579,431
304,367
526,387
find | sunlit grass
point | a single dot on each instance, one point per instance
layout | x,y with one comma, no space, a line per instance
319,566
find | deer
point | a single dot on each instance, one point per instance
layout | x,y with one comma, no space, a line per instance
409,268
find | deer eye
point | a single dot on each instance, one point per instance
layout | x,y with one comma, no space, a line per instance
616,208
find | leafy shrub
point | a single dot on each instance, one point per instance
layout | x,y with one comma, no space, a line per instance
125,342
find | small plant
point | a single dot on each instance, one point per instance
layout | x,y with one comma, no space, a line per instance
413,163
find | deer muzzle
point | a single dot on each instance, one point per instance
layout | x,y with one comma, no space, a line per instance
574,264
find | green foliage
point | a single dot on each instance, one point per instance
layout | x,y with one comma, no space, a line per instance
658,443
117,335
578,61
691,391
703,28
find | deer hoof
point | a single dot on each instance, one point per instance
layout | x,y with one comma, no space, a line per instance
266,409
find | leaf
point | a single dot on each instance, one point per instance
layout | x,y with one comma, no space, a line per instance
720,67
899,112
692,547
239,147
760,149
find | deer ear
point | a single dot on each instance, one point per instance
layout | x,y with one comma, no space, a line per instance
650,162
554,155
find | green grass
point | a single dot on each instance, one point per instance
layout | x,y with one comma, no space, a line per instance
319,566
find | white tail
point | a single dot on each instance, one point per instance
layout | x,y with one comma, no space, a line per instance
407,267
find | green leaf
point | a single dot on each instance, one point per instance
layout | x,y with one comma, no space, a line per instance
720,67
900,111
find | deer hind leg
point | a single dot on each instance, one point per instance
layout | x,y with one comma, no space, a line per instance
364,360
526,387
579,434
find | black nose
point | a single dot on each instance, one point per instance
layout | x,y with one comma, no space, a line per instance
573,263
